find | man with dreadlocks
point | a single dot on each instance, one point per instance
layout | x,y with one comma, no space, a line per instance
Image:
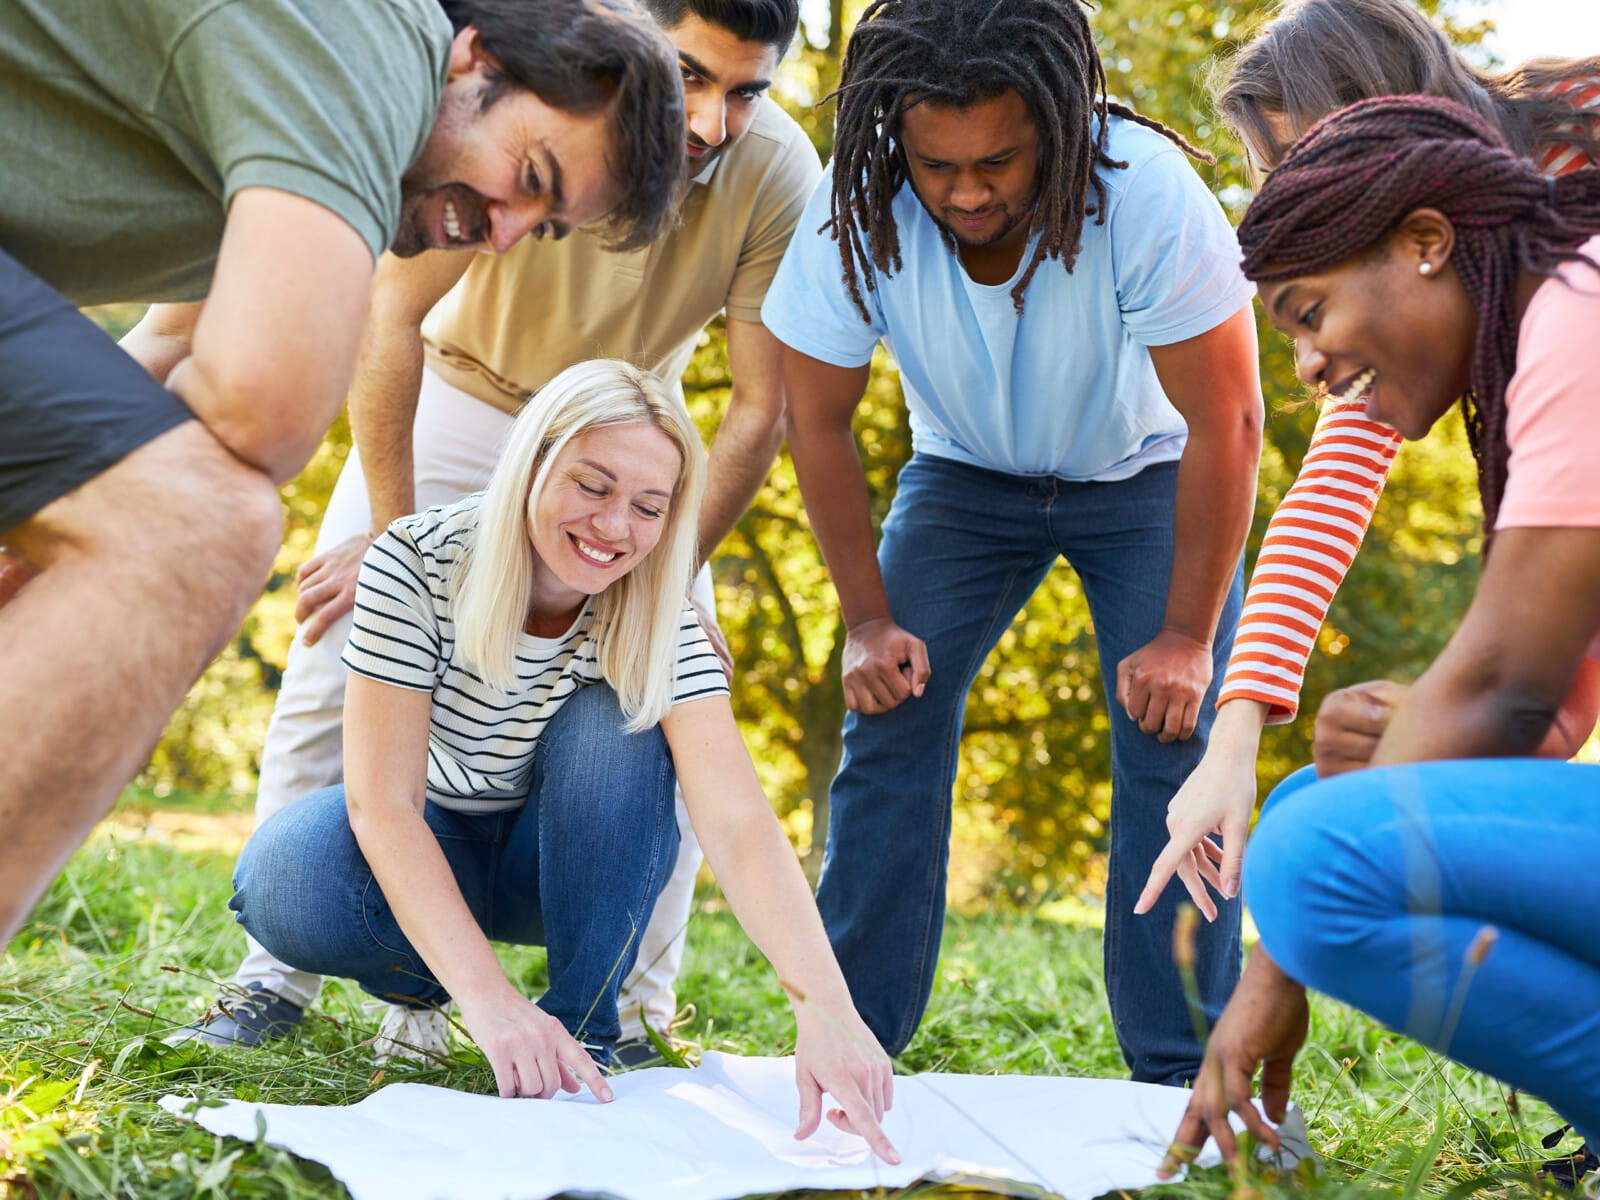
1413,255
1077,352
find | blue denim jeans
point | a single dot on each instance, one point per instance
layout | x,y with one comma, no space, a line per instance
577,869
1372,887
962,551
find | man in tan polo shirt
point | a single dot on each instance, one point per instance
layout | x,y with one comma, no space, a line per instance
456,342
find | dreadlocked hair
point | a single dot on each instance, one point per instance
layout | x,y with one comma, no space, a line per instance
1354,178
959,53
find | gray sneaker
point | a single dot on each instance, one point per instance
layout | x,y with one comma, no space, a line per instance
242,1021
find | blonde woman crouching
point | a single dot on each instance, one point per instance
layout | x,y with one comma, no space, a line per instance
527,684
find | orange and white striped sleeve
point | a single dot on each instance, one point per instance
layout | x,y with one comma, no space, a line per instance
1309,545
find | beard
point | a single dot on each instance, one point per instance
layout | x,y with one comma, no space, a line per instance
421,207
1008,225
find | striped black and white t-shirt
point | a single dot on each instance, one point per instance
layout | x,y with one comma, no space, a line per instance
480,741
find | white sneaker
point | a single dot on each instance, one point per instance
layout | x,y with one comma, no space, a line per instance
420,1035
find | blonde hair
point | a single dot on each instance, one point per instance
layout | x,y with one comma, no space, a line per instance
637,618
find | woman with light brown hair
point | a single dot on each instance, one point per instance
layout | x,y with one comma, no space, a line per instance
1314,57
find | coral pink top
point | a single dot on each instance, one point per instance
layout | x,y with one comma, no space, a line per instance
1313,536
1552,418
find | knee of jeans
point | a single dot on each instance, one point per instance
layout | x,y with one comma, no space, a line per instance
1308,887
588,743
291,858
1292,783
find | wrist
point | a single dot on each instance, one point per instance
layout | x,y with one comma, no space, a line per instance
1240,721
1180,630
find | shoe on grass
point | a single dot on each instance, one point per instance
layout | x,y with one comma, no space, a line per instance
243,1021
419,1035
635,1053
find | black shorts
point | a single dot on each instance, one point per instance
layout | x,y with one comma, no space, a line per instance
72,403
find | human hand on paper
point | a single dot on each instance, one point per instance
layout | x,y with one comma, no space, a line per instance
327,586
1264,1025
836,1053
1218,797
531,1052
1350,723
1162,683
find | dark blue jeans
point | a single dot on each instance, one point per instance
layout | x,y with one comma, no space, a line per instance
1374,885
577,869
962,551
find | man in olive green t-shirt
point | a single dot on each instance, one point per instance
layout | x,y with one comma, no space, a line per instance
246,162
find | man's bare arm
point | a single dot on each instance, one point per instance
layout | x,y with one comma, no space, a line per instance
884,665
275,344
383,396
383,405
750,434
164,337
1214,381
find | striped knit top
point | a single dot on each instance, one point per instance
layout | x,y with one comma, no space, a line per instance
1315,532
480,741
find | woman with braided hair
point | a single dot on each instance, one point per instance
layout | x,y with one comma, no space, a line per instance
1439,873
1314,57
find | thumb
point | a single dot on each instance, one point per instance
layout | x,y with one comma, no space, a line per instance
1234,836
810,1106
921,670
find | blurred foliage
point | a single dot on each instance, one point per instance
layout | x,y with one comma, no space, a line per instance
1032,791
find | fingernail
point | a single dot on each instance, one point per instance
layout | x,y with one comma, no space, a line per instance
1233,886
605,1095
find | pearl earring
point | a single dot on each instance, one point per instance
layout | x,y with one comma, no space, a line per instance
1425,268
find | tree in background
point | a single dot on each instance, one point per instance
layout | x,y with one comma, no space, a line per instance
1033,787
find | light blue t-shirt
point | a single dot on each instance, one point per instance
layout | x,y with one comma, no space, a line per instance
1068,388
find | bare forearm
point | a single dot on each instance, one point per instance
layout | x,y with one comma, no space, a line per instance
1211,519
383,406
758,872
163,338
742,453
1457,713
835,491
421,890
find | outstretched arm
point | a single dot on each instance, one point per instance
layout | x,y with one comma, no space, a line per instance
1309,545
386,763
883,664
754,863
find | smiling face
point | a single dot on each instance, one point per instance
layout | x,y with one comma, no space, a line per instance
602,509
724,78
1378,324
976,170
490,174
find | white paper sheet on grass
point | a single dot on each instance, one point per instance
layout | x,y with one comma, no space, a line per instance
722,1130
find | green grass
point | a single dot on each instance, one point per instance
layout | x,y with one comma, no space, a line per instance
129,944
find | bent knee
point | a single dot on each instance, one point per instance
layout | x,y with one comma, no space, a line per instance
1316,882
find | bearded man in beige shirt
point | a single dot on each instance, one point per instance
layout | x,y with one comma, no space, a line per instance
456,342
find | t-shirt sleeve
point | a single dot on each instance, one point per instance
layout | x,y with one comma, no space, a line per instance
698,673
329,102
782,198
1175,255
808,306
1552,418
395,635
